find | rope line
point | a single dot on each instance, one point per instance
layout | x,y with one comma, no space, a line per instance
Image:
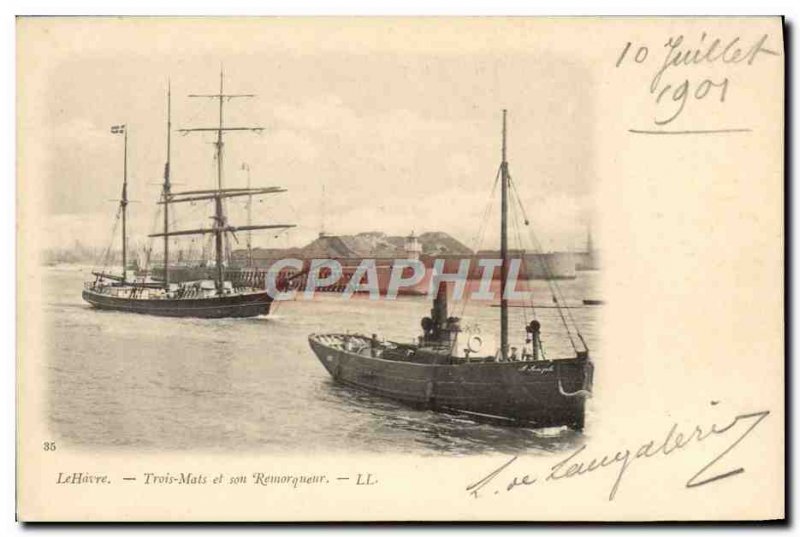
105,259
555,290
478,240
547,275
149,250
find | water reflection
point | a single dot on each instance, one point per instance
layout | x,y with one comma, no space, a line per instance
447,432
141,382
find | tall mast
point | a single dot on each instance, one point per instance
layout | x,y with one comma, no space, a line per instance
504,248
124,204
246,167
219,231
220,223
219,214
167,186
219,132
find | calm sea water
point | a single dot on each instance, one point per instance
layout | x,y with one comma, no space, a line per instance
124,381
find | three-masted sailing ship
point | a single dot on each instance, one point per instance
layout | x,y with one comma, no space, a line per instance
525,389
203,298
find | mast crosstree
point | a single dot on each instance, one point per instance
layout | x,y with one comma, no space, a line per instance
217,195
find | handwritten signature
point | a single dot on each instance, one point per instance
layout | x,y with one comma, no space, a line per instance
577,463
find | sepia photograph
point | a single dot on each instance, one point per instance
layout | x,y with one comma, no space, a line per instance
445,265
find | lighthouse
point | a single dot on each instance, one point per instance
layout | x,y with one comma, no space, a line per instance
413,249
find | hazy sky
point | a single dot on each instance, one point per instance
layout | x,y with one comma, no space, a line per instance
403,136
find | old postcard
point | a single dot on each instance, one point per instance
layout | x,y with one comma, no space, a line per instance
400,269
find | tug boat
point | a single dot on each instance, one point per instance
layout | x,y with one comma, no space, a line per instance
439,372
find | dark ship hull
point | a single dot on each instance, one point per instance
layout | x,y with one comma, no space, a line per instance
515,388
234,305
541,393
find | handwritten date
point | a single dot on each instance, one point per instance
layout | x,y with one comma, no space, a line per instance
671,94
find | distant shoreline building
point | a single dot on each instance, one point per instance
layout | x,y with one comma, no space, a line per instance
251,266
350,250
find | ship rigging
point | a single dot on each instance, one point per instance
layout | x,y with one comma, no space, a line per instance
444,373
187,299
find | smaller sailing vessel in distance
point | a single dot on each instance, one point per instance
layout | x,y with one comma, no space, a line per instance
526,390
206,299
